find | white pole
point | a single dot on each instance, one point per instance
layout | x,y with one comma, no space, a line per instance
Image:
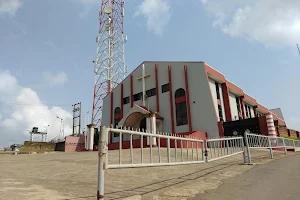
143,79
91,137
153,127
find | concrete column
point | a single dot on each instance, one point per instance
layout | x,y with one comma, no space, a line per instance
90,138
270,125
151,128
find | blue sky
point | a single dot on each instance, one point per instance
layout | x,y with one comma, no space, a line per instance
47,48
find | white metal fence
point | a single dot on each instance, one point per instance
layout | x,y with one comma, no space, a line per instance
255,141
223,148
162,150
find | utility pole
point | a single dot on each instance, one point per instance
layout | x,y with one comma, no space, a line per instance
76,118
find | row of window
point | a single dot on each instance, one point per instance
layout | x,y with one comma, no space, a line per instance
180,108
149,93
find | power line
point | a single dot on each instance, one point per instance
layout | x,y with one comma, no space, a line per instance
28,104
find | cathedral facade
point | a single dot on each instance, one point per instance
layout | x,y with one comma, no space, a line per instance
186,97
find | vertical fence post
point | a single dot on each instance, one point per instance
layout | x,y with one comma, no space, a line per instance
270,145
205,151
283,141
247,148
168,150
102,150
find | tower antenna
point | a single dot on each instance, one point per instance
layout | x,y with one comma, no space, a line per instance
110,68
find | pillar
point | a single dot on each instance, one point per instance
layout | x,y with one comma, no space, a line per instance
270,125
151,128
90,137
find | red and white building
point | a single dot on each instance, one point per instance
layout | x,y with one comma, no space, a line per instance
188,97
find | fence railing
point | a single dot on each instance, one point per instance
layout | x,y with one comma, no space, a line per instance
223,147
164,149
161,149
255,141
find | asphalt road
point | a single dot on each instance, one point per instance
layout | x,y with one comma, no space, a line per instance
279,179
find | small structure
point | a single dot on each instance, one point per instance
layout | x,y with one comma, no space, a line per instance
36,133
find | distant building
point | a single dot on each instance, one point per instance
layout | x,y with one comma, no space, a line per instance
188,97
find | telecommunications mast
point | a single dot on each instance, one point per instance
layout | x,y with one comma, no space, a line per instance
110,68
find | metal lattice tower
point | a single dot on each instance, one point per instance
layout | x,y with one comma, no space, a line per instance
110,68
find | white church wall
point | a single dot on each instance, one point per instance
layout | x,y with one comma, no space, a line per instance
150,84
164,98
252,112
116,103
202,111
126,93
233,107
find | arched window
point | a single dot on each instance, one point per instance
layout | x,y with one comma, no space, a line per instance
181,110
117,118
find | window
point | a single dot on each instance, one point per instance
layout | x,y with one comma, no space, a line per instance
125,100
165,88
246,109
118,117
151,92
220,113
217,90
181,110
250,115
137,96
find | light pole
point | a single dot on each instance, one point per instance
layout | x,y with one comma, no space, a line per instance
46,127
84,125
61,125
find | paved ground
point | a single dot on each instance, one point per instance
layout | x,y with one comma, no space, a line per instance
69,176
279,179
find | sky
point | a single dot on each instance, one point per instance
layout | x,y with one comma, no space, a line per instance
47,48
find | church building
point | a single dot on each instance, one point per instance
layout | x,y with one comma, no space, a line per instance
187,97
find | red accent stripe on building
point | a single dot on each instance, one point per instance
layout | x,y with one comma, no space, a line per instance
171,99
111,113
122,101
225,94
157,91
188,98
242,107
180,99
131,90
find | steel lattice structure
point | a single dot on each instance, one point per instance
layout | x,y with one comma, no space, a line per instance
110,68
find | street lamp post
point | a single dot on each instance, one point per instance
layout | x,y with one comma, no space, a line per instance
46,127
61,125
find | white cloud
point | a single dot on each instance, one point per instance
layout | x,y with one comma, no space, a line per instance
157,13
57,79
271,22
9,6
25,112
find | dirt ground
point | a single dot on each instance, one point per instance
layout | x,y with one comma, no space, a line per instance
66,176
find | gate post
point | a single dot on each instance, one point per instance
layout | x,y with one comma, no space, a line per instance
247,149
270,145
102,159
205,151
285,151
